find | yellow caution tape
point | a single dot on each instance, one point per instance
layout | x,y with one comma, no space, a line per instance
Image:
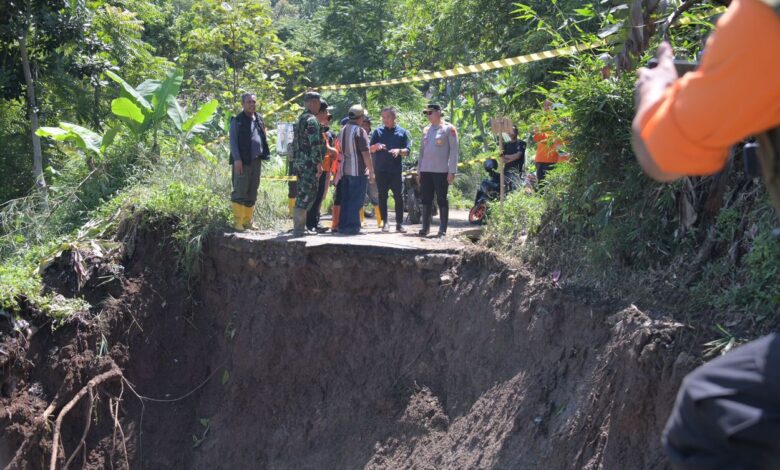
286,103
476,68
476,161
279,178
693,18
271,111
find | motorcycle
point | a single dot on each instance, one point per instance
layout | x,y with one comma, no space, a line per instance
489,190
413,195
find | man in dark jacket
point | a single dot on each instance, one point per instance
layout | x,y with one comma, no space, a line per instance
390,143
513,155
248,147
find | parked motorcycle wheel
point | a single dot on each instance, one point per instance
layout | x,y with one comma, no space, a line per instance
412,206
414,214
477,213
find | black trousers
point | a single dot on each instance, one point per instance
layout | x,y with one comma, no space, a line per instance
337,193
541,171
434,183
292,186
385,182
727,413
313,214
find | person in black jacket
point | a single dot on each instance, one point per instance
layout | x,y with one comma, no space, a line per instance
513,155
248,147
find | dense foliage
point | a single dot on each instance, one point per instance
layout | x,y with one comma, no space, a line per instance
131,98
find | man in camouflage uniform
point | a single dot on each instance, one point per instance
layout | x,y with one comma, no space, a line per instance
308,151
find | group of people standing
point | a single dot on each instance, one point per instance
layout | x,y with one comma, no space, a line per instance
361,160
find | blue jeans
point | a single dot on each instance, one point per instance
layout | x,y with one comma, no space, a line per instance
353,193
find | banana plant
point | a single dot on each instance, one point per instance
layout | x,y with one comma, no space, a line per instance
191,125
145,107
83,138
140,109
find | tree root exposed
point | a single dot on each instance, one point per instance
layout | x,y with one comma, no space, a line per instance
87,389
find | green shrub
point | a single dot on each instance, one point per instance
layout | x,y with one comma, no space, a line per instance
604,222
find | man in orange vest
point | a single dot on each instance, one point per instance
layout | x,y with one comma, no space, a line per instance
546,148
727,413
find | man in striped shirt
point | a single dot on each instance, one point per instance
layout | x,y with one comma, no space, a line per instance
353,170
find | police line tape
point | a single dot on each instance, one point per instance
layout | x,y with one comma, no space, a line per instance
457,71
684,20
279,178
483,67
469,163
471,69
508,62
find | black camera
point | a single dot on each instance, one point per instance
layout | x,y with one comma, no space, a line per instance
682,66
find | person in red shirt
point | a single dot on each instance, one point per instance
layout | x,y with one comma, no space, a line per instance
727,413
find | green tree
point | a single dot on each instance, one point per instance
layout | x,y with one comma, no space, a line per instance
233,47
31,31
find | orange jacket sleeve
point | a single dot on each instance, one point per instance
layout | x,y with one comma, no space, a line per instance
546,151
735,93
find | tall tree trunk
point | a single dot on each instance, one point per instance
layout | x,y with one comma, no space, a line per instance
480,121
40,181
96,108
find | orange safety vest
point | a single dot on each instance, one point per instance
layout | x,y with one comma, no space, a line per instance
546,151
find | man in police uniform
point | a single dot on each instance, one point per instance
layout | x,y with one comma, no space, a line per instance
248,147
308,151
727,413
436,167
513,155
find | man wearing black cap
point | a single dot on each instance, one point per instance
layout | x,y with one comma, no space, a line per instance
313,215
437,166
308,151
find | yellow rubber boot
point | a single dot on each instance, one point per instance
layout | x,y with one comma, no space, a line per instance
238,217
378,215
291,205
334,223
248,213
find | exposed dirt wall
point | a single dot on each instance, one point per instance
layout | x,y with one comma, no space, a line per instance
349,357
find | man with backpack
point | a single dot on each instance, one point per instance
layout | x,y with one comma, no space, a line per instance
727,413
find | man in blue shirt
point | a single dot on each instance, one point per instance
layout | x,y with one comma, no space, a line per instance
389,144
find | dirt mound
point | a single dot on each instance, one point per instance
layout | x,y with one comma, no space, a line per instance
289,356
